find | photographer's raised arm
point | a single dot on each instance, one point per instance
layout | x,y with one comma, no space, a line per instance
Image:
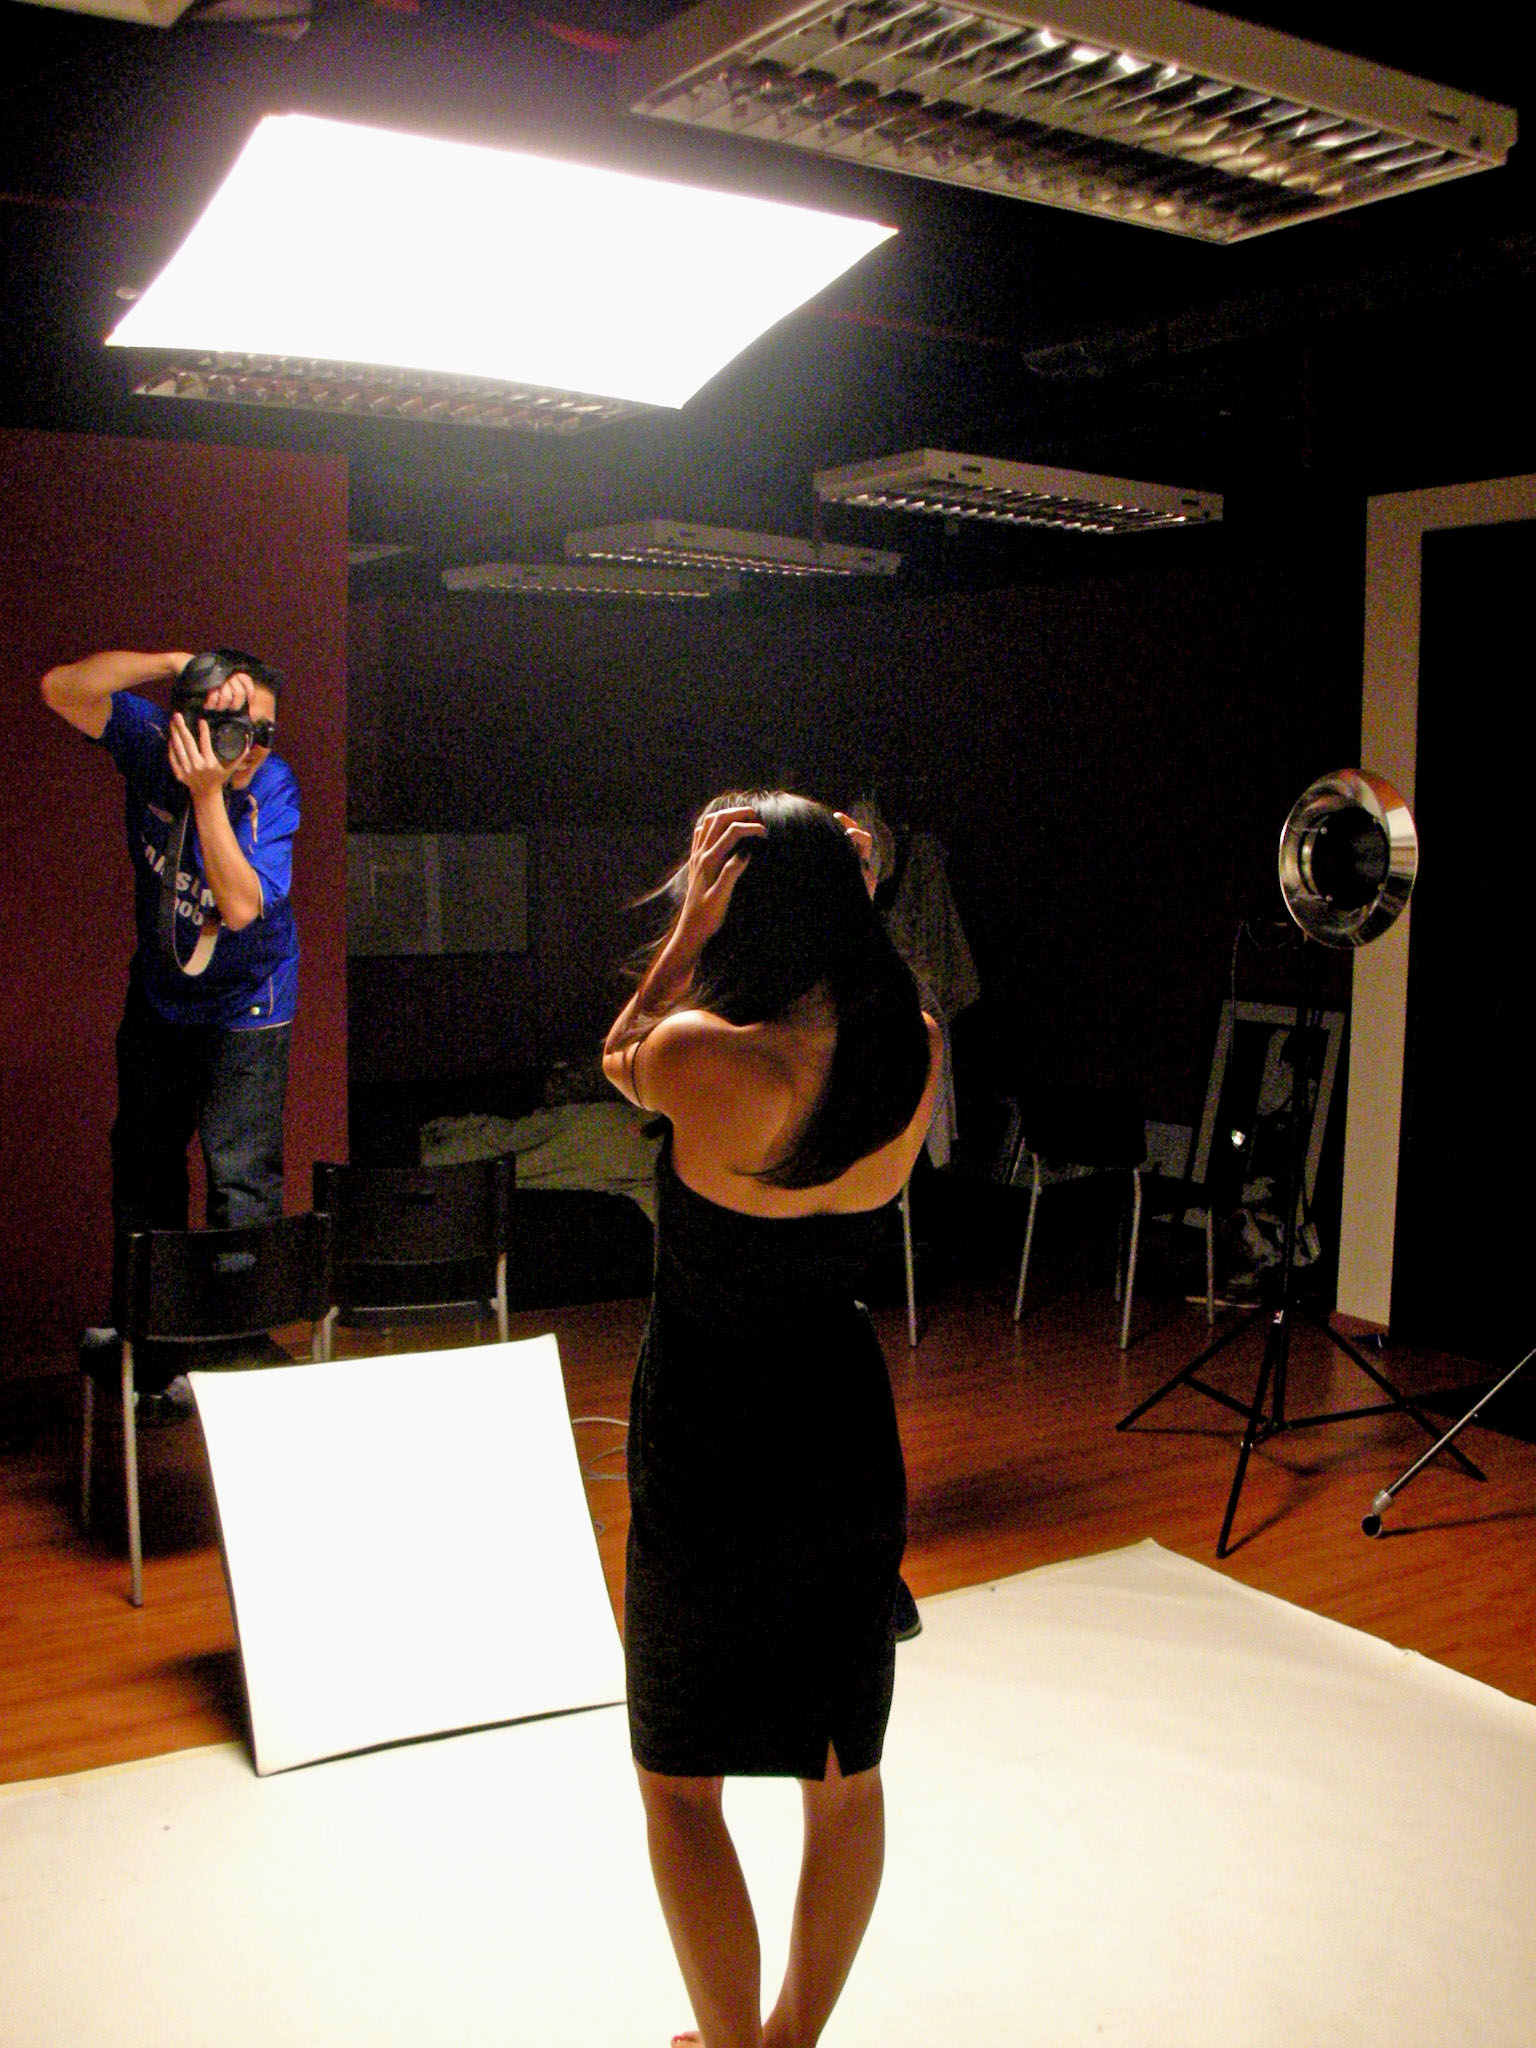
81,692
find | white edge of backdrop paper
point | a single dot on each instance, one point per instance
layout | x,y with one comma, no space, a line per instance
408,1547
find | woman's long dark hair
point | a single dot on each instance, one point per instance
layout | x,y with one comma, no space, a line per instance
800,919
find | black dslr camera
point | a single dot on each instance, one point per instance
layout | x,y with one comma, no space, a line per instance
229,732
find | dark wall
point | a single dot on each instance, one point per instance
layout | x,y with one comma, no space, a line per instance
1108,758
1469,1100
143,544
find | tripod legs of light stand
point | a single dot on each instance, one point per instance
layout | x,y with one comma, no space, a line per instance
1265,1414
1371,1523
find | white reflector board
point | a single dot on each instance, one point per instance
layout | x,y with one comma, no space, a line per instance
408,1547
341,243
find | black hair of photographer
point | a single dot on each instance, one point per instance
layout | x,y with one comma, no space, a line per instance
209,828
230,732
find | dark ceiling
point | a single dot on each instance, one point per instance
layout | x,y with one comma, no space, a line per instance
1385,349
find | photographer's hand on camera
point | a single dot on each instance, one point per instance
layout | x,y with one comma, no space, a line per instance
230,877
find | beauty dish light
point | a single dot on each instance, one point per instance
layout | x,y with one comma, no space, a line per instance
340,244
588,579
724,547
1147,111
1013,494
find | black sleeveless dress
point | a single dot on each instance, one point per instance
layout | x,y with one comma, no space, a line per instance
767,1498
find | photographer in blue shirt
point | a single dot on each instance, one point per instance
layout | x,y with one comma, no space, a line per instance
203,1044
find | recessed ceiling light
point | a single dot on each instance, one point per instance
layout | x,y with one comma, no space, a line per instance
346,244
724,547
1014,493
588,579
1146,111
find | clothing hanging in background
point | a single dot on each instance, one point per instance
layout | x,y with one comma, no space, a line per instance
918,906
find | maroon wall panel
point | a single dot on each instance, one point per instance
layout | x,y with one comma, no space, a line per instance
144,544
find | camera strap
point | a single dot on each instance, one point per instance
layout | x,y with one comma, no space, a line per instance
208,937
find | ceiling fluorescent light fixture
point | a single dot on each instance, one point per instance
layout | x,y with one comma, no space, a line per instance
1147,111
145,13
1013,494
588,579
723,547
360,390
362,554
345,245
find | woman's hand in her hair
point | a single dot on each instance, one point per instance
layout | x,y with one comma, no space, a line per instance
863,846
715,863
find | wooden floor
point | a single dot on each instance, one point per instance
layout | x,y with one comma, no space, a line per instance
1013,1462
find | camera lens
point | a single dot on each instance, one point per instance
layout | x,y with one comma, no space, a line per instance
230,739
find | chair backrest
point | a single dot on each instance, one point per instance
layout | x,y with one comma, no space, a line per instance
416,1216
222,1283
1101,1127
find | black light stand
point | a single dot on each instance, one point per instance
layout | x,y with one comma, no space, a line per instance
1265,1414
1348,855
1371,1521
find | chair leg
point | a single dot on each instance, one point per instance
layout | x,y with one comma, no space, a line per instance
1130,1264
87,1447
1029,1234
501,1296
131,1476
906,1245
1210,1269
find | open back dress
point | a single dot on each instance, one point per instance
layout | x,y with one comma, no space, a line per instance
767,1495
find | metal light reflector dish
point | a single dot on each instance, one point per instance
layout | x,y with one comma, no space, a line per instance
588,579
341,244
1014,494
1146,111
723,547
1349,855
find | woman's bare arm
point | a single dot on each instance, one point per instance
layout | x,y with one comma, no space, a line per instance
713,871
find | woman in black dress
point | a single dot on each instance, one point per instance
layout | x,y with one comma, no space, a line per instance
780,1034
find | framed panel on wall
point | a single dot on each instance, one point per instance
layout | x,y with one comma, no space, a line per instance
437,892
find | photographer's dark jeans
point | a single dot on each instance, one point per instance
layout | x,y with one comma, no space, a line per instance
177,1080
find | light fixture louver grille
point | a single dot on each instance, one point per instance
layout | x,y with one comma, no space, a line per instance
933,481
724,547
364,554
364,391
1159,114
588,579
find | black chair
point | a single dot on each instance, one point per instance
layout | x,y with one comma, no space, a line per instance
1155,1193
1211,1186
176,1289
415,1240
1068,1135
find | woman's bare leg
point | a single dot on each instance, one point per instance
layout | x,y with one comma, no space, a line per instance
840,1870
704,1899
